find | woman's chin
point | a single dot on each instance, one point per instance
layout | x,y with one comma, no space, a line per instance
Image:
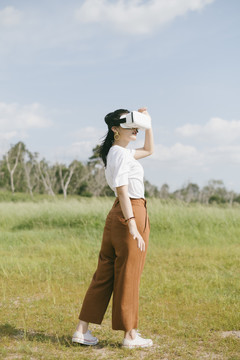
133,137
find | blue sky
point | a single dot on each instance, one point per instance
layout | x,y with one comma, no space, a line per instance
65,64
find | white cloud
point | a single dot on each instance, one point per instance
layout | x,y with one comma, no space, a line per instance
25,32
225,154
189,130
86,139
89,132
178,155
8,135
214,145
10,16
136,16
216,130
16,118
80,150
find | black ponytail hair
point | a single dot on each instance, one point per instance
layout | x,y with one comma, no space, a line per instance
111,119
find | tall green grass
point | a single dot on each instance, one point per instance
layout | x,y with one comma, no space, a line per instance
190,290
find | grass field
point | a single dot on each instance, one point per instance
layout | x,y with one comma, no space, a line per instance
190,288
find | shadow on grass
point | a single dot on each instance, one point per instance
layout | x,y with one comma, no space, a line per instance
19,334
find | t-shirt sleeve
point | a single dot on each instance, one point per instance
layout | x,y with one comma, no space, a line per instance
132,152
120,169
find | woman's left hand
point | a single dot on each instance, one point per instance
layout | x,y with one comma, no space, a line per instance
144,111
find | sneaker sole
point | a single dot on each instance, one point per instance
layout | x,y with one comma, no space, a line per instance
137,346
84,342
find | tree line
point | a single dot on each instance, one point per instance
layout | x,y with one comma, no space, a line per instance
23,171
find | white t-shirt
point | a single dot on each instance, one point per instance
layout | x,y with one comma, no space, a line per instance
123,169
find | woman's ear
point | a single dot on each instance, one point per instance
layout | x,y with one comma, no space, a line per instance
113,128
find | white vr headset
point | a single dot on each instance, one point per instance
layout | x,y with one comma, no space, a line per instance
135,119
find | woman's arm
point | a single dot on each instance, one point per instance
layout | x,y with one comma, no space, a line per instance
126,206
148,146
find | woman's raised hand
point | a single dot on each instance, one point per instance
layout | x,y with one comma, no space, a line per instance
144,111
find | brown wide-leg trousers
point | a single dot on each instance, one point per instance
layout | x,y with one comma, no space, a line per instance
119,269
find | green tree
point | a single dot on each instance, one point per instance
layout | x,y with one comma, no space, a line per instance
96,181
78,184
47,174
164,191
14,161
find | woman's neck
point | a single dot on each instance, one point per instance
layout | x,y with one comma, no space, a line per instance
121,143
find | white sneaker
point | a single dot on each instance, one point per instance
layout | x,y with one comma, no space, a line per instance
85,339
138,341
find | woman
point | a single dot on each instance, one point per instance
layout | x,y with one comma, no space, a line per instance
125,238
